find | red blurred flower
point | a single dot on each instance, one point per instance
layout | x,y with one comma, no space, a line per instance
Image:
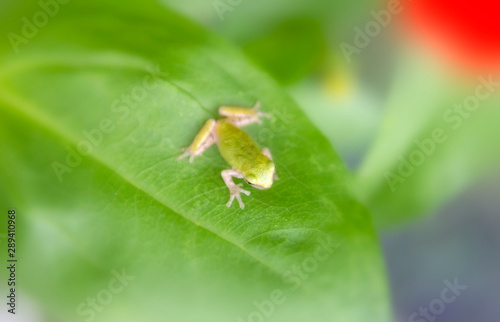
467,33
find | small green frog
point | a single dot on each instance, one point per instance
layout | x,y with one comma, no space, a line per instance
237,148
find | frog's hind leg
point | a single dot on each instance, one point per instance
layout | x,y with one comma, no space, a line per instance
234,189
203,140
241,116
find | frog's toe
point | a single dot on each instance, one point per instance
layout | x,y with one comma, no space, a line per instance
242,205
236,193
230,202
239,190
185,154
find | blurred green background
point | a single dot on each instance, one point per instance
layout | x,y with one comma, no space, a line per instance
353,134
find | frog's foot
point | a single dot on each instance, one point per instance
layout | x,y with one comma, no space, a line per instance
236,192
256,108
234,189
187,153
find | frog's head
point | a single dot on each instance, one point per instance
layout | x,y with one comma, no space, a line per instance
262,175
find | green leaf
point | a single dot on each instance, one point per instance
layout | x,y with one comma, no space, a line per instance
242,20
292,50
289,39
95,109
408,172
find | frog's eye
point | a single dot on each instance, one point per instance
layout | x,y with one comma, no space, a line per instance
250,179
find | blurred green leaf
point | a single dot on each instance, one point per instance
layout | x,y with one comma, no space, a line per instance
292,50
128,85
408,172
243,20
289,39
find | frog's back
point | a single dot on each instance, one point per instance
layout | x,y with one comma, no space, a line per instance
236,146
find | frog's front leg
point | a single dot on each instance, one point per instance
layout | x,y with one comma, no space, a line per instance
203,140
241,116
234,189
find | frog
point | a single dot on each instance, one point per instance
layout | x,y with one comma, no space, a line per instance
237,148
